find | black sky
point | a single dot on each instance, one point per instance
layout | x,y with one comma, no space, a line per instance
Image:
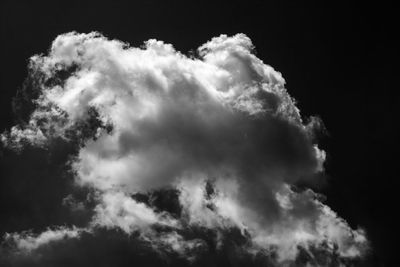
337,60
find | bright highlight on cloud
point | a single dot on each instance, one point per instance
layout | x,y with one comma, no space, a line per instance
219,133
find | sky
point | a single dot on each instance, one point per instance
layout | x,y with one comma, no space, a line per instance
202,134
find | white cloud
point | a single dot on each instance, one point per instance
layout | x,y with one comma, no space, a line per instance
179,121
27,242
119,210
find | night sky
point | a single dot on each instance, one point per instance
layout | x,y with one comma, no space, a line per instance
336,59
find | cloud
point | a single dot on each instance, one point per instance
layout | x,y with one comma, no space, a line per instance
220,129
26,242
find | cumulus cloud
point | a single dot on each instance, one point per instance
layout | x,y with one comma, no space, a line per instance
220,129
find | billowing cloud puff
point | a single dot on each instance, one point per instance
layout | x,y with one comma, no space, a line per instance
219,129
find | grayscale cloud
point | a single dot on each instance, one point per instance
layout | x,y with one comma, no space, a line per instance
219,129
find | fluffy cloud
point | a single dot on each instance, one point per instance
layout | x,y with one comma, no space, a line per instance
221,129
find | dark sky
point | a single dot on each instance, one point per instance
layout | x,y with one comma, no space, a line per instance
337,60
